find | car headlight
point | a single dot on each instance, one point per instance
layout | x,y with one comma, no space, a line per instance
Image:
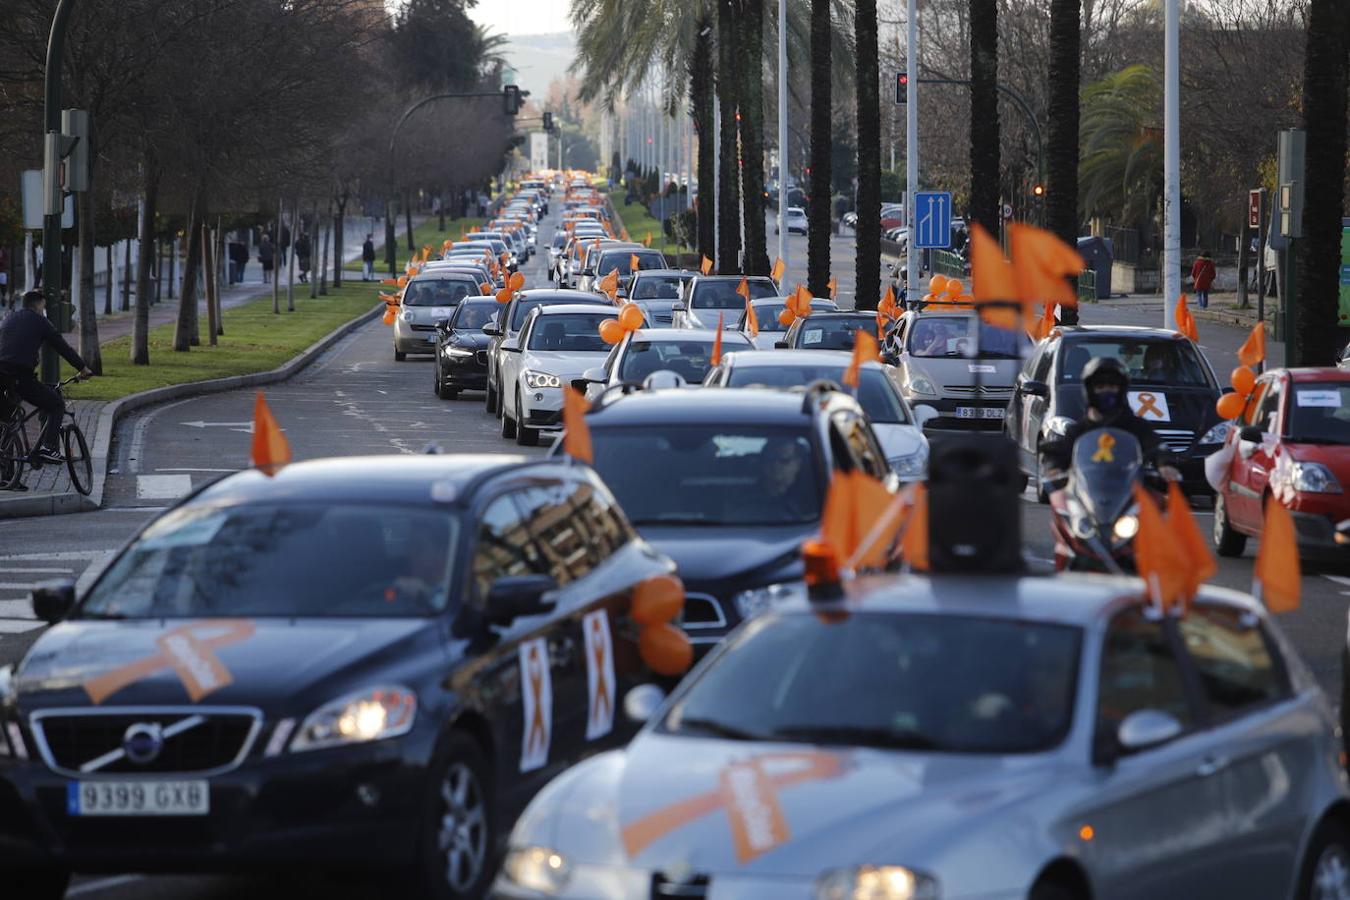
537,869
1314,478
875,883
541,379
921,385
762,599
1058,425
910,466
369,715
1216,435
406,315
1126,527
458,352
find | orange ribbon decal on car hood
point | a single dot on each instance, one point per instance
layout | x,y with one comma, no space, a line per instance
189,651
1149,404
749,794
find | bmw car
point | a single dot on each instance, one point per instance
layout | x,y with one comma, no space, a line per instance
461,354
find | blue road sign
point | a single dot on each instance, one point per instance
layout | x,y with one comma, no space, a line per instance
933,210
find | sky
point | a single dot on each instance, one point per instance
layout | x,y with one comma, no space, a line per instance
519,17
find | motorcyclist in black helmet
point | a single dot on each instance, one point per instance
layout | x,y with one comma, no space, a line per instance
1106,387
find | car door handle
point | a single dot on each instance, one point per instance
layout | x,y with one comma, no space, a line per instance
1210,765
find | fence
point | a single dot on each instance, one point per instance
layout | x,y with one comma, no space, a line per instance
1087,286
945,262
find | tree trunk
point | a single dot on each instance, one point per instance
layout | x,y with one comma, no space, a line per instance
984,125
126,275
315,236
159,269
187,300
751,54
728,200
212,282
173,265
290,261
140,328
1317,276
819,213
337,240
108,285
701,110
276,262
327,233
867,290
89,348
1061,152
407,220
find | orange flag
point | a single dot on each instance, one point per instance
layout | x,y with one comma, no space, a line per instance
1042,264
751,320
854,503
834,287
576,434
1200,564
779,269
1045,324
1253,350
484,288
744,288
1277,578
610,283
270,449
707,266
992,275
865,349
888,305
914,543
1185,321
390,313
624,234
633,262
647,242
1157,556
716,356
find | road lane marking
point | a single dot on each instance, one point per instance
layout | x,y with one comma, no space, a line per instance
58,555
12,626
16,609
15,570
162,487
102,884
191,469
138,433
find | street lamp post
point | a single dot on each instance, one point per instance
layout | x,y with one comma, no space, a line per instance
52,199
1171,163
912,292
782,130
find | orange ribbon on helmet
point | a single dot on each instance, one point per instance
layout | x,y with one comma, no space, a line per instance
189,651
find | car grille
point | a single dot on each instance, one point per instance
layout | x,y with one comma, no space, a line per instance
703,611
1177,440
199,740
692,888
416,327
983,390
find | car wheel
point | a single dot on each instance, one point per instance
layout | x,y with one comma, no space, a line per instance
458,833
399,356
1021,481
508,424
1053,890
1227,542
1041,495
1326,869
437,384
525,436
38,884
490,400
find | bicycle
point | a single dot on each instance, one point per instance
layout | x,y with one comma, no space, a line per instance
15,447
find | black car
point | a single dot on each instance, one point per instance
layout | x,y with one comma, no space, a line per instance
363,662
827,331
1172,387
728,483
462,350
507,324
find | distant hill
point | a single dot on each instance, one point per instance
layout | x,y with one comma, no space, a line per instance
541,58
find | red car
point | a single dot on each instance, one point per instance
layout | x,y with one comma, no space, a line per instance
1292,447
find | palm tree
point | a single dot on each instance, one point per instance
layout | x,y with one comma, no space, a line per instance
1061,201
729,72
701,107
868,284
984,127
818,203
1122,147
1324,119
751,122
489,49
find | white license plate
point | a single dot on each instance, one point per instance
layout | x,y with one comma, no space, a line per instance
138,798
977,412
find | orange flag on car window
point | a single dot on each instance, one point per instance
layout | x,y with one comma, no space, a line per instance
744,288
779,269
914,543
633,262
1185,320
1253,350
576,433
1041,328
991,274
854,503
1277,577
707,266
751,320
1042,264
716,356
270,450
865,349
610,283
1199,561
1158,557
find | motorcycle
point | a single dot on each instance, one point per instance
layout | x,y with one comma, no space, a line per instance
1095,516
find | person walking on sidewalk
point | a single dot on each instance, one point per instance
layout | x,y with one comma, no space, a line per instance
238,261
284,245
266,256
22,334
1202,275
368,259
4,277
302,256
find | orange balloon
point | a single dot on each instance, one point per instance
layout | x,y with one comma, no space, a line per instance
1230,406
786,316
504,295
937,284
611,332
630,317
665,649
1243,380
390,314
929,298
657,600
954,288
517,281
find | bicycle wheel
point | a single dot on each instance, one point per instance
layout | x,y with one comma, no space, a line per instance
11,459
78,461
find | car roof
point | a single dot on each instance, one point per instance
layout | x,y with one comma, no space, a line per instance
771,358
825,302
1086,332
1308,373
735,278
841,314
643,273
688,334
561,309
555,294
705,406
445,274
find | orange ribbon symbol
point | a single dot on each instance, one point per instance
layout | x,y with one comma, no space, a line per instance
537,726
1148,403
188,650
602,701
1105,443
750,797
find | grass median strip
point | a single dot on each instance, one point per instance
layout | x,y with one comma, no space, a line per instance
640,223
255,340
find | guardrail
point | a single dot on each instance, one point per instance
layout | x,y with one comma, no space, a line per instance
945,262
1087,286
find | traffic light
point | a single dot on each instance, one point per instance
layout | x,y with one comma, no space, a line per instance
1038,190
901,87
548,122
511,99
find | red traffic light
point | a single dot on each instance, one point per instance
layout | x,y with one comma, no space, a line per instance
1038,190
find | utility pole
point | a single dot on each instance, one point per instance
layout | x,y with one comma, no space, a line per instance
53,150
913,292
782,130
1171,281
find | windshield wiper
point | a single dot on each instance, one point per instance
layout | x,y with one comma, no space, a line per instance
101,615
719,728
676,520
849,734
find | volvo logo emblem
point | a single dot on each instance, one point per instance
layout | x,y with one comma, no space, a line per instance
142,742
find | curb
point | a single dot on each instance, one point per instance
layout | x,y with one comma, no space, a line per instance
72,502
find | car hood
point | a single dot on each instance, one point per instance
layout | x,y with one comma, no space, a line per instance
705,554
269,661
563,363
899,440
1188,408
470,339
962,371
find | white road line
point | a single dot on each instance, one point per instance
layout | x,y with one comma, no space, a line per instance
7,570
94,569
102,884
138,433
12,626
162,487
15,585
16,609
58,555
189,469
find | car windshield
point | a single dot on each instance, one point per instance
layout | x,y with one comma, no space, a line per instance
521,309
876,394
299,559
955,336
439,292
1320,413
722,294
623,262
1165,362
945,684
832,332
472,315
573,331
657,287
710,475
690,358
559,240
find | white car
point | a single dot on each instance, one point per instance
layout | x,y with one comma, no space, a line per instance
428,299
555,345
686,352
708,295
898,428
794,221
767,311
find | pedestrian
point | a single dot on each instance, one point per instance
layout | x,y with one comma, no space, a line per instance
302,256
266,256
284,245
482,205
368,259
1202,276
238,256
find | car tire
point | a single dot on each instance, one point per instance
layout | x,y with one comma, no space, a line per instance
490,400
37,884
1021,481
399,356
525,435
1041,496
508,425
1325,872
1227,542
1051,889
457,841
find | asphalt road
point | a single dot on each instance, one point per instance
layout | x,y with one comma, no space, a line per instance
358,400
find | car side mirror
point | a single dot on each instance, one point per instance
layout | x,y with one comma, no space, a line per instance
642,702
588,272
923,414
442,325
1252,433
781,345
1146,728
492,329
515,596
1036,388
677,307
511,345
53,600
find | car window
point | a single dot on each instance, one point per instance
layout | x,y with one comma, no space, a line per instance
504,546
577,332
690,358
472,315
1042,371
657,287
572,525
1233,657
438,292
1160,361
1319,413
1139,671
1267,415
722,294
830,332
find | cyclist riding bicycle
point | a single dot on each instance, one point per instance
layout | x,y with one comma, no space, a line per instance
22,334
